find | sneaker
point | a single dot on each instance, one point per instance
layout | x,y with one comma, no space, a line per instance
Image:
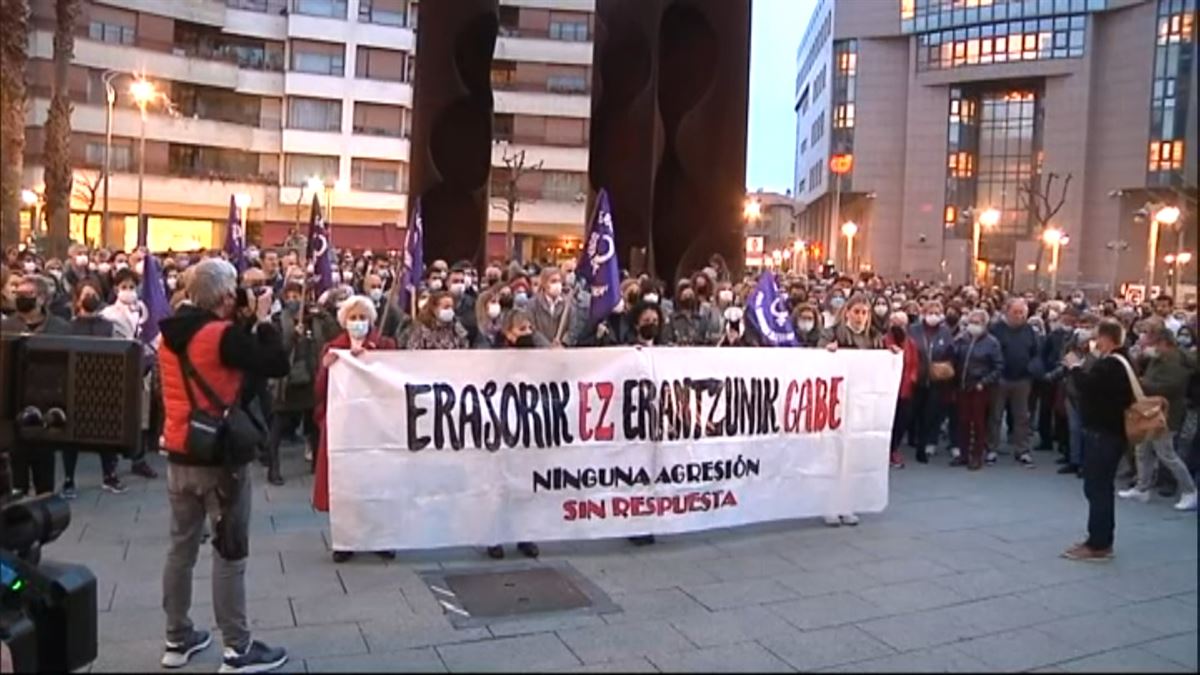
833,521
958,461
897,460
143,469
642,540
955,453
1026,459
68,491
930,450
991,457
529,549
177,654
848,519
1067,468
1187,502
113,484
342,556
308,455
1087,554
1142,496
496,552
258,658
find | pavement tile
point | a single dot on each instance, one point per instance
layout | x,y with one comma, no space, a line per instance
1098,630
1166,616
995,615
1079,597
1181,649
408,661
739,593
542,624
526,653
986,583
731,626
1123,660
315,641
919,630
943,659
638,665
910,596
742,567
808,583
621,641
389,636
1023,649
662,604
824,648
747,657
339,608
821,611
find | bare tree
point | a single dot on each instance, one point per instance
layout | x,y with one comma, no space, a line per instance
57,148
1037,198
508,198
14,41
87,189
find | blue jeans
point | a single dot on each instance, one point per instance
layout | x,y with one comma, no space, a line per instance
1075,435
1103,454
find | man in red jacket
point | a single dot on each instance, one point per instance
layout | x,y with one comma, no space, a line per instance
223,345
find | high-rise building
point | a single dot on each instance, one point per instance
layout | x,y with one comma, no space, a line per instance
261,97
952,116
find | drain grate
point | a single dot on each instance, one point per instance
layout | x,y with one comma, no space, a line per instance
484,595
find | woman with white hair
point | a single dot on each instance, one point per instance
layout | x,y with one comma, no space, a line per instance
356,315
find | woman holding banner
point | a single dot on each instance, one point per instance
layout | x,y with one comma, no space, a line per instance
356,315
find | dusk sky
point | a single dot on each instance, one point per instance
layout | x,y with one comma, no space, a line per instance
775,31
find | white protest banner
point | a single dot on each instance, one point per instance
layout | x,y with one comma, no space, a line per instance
456,448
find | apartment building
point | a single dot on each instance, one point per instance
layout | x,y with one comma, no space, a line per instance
949,108
262,96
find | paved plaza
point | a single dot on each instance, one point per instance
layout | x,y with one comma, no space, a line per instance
961,573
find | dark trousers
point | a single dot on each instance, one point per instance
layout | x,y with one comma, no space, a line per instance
283,422
900,421
108,464
1102,453
972,420
36,463
929,408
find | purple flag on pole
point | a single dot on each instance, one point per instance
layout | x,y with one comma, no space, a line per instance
154,296
598,264
769,313
414,253
319,249
235,237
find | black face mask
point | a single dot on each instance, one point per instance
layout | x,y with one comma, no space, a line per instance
90,304
648,331
26,304
524,341
506,302
952,320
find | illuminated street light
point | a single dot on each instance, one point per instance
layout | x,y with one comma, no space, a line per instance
143,93
242,200
989,218
1055,239
29,197
849,229
1167,215
752,210
315,184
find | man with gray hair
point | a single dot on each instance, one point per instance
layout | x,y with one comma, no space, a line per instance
1022,349
207,352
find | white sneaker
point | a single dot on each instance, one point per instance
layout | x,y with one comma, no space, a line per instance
308,455
955,453
1187,501
849,519
931,450
1142,496
833,521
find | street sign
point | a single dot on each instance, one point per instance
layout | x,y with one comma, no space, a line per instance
754,250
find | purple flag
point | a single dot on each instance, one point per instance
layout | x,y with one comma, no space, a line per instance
414,253
154,296
598,264
235,237
320,252
769,313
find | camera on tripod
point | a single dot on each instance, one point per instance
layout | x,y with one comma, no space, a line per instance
57,393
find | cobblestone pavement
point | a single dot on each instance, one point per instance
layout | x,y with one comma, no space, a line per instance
961,573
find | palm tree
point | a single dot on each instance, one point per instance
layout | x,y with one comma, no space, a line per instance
57,151
13,42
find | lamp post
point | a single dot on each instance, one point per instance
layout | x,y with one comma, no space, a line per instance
1175,262
1164,215
143,93
1055,239
110,98
1116,246
242,201
840,165
989,218
849,229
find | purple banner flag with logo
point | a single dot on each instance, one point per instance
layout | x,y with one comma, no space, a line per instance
154,297
235,237
414,254
320,253
598,264
769,313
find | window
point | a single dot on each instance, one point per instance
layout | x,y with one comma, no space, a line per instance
319,58
205,161
120,157
1166,155
377,175
961,164
502,126
843,116
1175,28
570,31
1171,91
314,114
302,167
504,74
566,131
334,9
567,84
1009,144
381,64
561,186
848,63
818,85
1058,37
111,32
383,12
376,119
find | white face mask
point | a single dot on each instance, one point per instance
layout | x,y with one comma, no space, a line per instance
139,267
620,307
725,297
493,310
435,284
976,329
933,319
733,314
121,266
881,310
128,296
81,260
457,288
570,278
1172,324
172,282
554,289
336,277
445,315
1151,351
103,268
30,266
376,294
358,328
651,298
806,326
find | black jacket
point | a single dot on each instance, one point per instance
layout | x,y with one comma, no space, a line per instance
1104,395
92,326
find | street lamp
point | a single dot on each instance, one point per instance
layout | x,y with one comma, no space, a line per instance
30,199
1163,215
989,218
1116,246
1055,239
849,229
752,210
143,93
1176,261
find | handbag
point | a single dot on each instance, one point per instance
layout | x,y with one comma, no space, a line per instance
940,371
230,437
1146,417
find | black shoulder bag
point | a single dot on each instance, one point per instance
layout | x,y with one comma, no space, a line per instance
230,437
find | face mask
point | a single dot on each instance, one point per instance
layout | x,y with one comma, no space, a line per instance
725,297
1151,351
292,306
172,282
554,289
976,329
733,314
806,325
128,296
358,328
520,299
1083,334
421,303
435,284
952,319
376,294
1173,324
90,304
56,273
524,341
648,331
139,268
445,315
881,310
651,298
81,260
837,302
570,278
336,277
493,310
26,304
121,266
933,319
30,267
1185,341
457,288
252,254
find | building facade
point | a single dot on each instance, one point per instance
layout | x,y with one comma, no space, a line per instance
262,96
954,108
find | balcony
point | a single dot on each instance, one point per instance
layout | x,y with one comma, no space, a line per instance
565,86
543,50
554,158
538,103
